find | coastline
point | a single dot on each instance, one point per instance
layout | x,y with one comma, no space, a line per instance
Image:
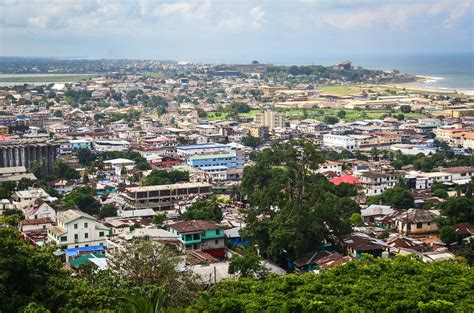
421,84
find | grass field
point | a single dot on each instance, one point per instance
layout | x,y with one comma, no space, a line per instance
341,90
45,79
319,114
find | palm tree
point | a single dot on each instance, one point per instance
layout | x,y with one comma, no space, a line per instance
142,304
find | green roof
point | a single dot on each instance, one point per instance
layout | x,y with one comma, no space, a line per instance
211,156
85,259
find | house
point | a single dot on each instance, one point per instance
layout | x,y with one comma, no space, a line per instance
358,244
24,198
76,229
374,183
463,230
346,179
416,222
39,209
200,235
62,186
373,211
35,224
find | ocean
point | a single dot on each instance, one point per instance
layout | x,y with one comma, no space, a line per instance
454,71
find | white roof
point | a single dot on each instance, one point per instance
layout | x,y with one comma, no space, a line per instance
375,209
137,213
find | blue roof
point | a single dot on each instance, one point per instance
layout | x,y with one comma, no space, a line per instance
75,251
202,147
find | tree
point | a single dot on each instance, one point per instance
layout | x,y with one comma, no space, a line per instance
150,264
64,171
248,265
404,284
293,210
107,211
341,114
331,120
447,234
159,219
250,141
6,189
397,197
356,219
440,193
58,113
163,177
83,198
85,156
201,113
405,108
467,251
458,209
203,210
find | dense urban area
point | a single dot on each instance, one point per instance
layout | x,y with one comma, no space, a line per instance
148,186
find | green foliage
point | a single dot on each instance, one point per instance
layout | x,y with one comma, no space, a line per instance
247,265
250,141
208,210
6,189
341,114
86,156
397,197
64,171
58,113
467,251
163,177
331,120
140,161
440,193
405,108
83,198
107,211
159,219
292,208
356,219
372,285
458,210
447,234
201,113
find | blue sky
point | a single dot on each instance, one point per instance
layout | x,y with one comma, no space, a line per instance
232,30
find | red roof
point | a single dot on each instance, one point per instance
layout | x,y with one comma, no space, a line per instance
194,226
348,179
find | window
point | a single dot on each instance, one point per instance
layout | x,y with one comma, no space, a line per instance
86,245
218,231
64,238
85,225
429,223
101,234
86,235
216,241
76,236
75,226
419,225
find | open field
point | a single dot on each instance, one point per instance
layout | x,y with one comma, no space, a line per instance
341,90
319,114
45,79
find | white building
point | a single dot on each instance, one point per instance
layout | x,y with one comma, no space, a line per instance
339,142
374,183
76,229
24,198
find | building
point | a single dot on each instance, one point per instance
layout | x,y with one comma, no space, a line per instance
80,144
217,165
257,131
27,154
163,197
270,119
416,222
339,141
374,183
199,235
187,151
76,229
15,173
24,198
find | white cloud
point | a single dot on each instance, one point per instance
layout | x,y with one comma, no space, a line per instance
38,21
458,12
256,17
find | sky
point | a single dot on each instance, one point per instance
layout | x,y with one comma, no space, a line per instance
227,31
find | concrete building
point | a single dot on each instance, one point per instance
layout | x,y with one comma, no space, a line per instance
339,141
270,119
374,183
416,222
163,197
206,236
76,229
26,154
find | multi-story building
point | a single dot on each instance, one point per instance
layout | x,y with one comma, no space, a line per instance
26,154
270,119
217,164
77,229
24,198
199,235
77,144
339,141
163,197
374,183
187,151
257,131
